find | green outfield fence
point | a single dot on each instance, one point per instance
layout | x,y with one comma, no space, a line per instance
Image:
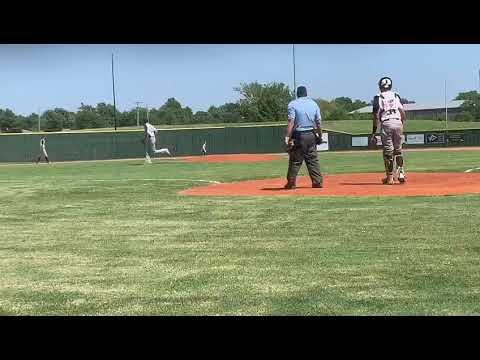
127,144
220,140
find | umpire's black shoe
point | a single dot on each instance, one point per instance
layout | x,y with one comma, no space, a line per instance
290,186
317,186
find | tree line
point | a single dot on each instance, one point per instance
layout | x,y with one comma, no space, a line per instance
257,103
470,107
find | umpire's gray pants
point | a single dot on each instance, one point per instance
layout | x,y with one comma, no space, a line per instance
305,148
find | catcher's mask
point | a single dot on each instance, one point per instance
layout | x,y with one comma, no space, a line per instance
385,83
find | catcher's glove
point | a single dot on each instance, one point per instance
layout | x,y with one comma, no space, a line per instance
372,142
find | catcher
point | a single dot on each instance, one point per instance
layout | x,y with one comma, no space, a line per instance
389,116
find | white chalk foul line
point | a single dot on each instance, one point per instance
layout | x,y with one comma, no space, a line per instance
472,169
119,180
189,180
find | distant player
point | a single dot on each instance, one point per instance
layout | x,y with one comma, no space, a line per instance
43,150
389,115
150,140
204,147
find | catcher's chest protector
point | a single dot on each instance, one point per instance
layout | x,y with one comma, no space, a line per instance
389,102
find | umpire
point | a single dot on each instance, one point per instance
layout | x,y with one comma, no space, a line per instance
303,134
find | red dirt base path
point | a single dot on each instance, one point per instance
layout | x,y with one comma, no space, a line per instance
232,158
418,184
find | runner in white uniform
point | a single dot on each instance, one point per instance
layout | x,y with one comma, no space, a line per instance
204,148
150,140
43,151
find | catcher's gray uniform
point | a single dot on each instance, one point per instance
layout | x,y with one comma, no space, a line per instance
389,105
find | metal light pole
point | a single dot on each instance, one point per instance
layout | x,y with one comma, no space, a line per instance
138,115
294,79
446,108
113,89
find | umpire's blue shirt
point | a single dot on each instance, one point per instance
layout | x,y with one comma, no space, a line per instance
305,113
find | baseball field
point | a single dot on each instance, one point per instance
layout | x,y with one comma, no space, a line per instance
124,238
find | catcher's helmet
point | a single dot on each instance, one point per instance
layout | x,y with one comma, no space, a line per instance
385,83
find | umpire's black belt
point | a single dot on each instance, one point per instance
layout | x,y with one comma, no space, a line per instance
305,131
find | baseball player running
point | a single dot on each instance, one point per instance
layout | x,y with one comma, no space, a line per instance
43,151
204,147
389,116
150,140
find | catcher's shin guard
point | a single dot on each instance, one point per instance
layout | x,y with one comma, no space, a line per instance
399,159
388,161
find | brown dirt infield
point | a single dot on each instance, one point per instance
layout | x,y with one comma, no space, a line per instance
233,158
366,184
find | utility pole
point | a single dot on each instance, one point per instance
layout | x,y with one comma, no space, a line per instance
446,107
294,79
113,88
138,114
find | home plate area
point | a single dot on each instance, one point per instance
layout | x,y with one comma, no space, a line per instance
361,184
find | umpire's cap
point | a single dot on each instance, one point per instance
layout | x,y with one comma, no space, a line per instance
301,91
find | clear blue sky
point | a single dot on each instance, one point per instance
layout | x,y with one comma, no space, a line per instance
38,77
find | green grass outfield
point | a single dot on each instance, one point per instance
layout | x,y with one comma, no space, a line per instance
101,238
348,126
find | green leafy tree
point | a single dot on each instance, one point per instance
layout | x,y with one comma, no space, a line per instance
105,114
230,113
52,120
340,108
264,102
67,117
358,104
203,117
215,114
129,118
468,95
464,116
86,117
20,122
344,103
29,122
471,103
7,119
171,113
171,104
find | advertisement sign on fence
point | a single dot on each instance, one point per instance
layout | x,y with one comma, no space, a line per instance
416,139
435,138
455,138
359,141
